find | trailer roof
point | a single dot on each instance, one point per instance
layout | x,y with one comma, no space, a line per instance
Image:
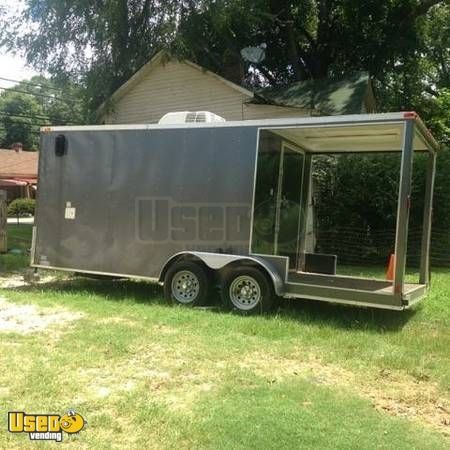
329,134
351,138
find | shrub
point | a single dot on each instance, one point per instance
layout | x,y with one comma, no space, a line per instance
21,207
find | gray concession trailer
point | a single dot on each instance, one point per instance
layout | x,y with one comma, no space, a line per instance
186,204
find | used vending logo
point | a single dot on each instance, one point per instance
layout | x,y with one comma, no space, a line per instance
164,220
45,427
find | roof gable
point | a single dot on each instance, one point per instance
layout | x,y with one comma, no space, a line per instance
159,59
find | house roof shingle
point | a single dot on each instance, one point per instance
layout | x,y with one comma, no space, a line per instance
326,96
18,164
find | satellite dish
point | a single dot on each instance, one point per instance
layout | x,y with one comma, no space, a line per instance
254,54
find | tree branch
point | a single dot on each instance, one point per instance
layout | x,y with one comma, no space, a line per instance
431,91
270,78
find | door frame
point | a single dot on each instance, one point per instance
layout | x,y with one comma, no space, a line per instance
287,145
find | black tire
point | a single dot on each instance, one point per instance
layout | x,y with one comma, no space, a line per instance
259,296
196,294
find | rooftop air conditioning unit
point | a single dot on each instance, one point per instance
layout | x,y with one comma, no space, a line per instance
190,117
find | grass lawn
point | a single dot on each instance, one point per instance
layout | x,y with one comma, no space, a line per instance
19,238
148,375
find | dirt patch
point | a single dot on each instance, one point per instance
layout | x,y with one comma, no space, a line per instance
176,377
26,319
277,369
17,280
393,393
117,320
402,395
172,375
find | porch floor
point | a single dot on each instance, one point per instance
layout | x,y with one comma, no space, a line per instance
347,282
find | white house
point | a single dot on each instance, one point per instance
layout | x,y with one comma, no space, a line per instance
166,84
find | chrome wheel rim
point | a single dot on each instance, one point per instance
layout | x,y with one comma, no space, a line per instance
185,286
245,292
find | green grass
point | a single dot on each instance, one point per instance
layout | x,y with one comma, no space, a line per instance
379,272
19,238
312,375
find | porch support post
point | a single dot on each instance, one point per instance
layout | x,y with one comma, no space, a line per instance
427,217
305,207
404,198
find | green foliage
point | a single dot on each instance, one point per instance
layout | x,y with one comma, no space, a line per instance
32,104
19,238
21,207
20,117
103,43
61,99
440,117
420,80
356,206
100,44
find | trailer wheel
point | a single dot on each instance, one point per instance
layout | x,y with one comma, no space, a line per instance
247,290
186,283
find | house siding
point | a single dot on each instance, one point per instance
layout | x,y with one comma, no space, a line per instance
176,86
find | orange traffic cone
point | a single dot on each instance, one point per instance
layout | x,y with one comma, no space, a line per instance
391,268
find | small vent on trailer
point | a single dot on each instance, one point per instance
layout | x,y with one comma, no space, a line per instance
190,117
199,116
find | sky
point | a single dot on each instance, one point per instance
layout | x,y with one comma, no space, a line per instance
13,66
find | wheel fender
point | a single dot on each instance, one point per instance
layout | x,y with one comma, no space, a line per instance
217,261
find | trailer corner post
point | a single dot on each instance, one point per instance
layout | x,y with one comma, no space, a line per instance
304,212
427,218
404,198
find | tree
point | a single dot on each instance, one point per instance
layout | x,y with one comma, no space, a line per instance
102,43
306,38
20,118
416,79
97,43
440,117
31,104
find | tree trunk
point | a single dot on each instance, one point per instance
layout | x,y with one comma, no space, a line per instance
282,13
294,57
120,44
320,57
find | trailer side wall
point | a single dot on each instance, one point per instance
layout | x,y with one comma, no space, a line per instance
125,201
